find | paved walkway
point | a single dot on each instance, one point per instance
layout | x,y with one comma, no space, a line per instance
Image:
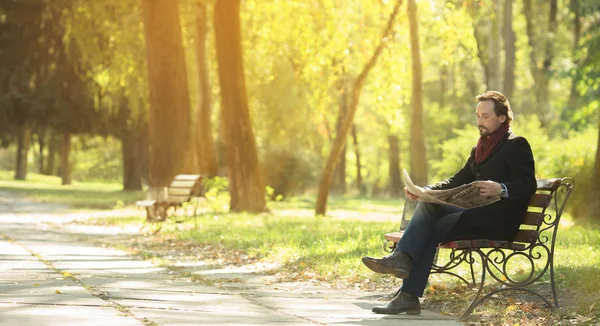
50,275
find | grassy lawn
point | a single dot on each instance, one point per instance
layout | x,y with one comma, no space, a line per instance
79,195
299,246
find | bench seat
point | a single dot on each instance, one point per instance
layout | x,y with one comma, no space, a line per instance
183,189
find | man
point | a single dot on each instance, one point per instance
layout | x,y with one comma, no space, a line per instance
505,163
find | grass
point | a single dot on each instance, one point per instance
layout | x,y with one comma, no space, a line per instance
79,195
328,249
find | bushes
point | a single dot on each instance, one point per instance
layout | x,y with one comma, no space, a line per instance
287,172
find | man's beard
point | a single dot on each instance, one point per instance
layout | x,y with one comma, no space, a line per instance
483,132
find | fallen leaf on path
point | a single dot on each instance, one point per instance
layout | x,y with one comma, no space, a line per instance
58,292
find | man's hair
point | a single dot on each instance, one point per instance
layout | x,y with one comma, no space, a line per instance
501,104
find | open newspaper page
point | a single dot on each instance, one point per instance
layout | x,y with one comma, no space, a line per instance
465,196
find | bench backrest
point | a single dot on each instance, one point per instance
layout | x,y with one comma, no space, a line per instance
545,210
184,187
543,215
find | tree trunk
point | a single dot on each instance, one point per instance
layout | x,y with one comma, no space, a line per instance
418,159
510,49
42,143
23,150
205,149
65,159
394,165
339,184
574,95
340,139
593,202
494,47
358,164
443,85
479,41
170,114
50,168
246,184
541,75
132,160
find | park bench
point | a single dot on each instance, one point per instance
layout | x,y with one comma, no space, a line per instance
515,265
166,202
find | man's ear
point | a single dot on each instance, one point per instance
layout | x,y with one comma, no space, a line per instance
503,118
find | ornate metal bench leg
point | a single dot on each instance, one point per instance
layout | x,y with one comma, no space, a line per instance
477,300
554,297
473,281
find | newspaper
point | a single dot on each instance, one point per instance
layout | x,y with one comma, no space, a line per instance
465,196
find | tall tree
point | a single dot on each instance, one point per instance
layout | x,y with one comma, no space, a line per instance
494,39
541,69
24,140
65,159
510,50
418,157
359,178
394,164
206,154
577,30
170,111
339,183
340,139
480,25
246,184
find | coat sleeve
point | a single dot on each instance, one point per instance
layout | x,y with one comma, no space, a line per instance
522,170
463,176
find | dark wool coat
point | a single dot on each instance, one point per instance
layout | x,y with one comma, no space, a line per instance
510,162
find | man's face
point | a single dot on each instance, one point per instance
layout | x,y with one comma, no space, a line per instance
487,120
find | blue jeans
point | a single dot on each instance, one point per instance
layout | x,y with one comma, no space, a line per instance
430,225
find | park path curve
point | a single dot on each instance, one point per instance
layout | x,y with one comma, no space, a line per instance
51,274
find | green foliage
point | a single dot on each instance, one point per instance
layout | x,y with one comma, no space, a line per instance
288,172
455,152
216,191
96,158
559,157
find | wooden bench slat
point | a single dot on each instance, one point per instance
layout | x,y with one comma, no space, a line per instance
533,218
548,184
183,184
177,199
179,192
528,236
394,236
540,200
482,243
187,177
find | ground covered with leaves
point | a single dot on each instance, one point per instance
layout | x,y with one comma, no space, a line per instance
444,295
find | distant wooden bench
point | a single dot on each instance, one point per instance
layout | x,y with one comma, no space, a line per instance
516,265
165,202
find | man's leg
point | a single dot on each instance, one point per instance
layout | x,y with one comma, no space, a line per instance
416,236
433,228
425,221
416,282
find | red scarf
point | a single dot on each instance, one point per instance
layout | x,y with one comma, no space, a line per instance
485,145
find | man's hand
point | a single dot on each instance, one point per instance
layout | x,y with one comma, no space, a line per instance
410,195
488,188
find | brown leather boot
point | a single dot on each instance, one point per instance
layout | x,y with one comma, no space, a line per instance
402,302
398,264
